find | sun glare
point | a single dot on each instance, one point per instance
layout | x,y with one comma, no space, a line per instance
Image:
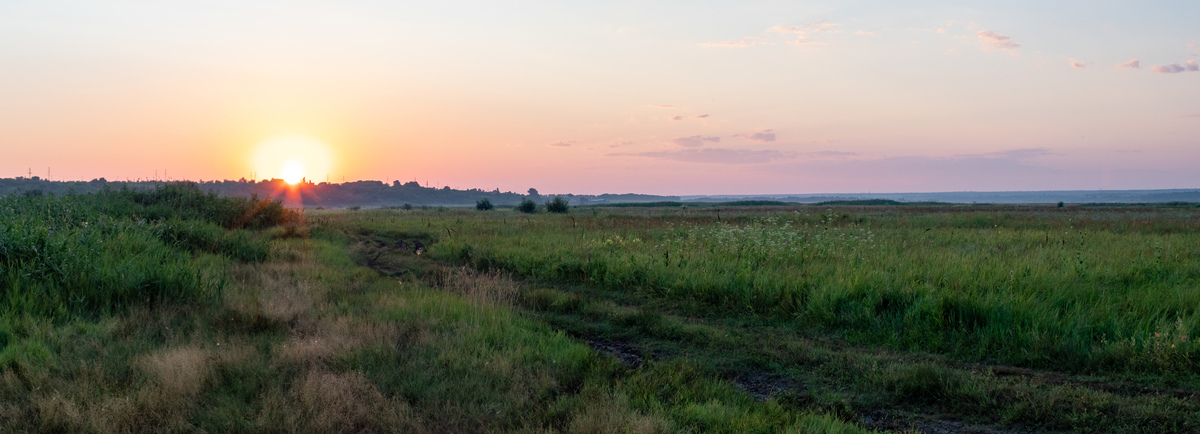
292,158
292,171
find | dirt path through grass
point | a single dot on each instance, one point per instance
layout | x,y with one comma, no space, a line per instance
778,361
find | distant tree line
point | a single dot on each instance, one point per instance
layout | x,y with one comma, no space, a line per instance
334,195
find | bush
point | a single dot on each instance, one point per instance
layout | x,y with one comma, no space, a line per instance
527,206
558,205
187,201
61,256
484,204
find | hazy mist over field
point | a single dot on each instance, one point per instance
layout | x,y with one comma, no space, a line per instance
673,98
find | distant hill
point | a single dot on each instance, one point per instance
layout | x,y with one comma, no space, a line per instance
1068,196
357,193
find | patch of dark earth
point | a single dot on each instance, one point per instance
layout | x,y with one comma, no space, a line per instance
625,353
909,422
763,386
1114,387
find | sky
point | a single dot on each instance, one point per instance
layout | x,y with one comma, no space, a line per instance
684,98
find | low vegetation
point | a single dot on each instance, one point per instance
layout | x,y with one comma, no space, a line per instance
1036,316
557,206
527,206
192,321
176,310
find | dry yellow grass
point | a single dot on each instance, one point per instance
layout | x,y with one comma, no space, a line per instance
178,372
612,415
348,402
491,288
317,342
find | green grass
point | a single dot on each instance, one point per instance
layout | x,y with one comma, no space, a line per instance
188,323
1079,291
126,311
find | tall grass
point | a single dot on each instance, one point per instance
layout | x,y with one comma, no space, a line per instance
98,253
1074,289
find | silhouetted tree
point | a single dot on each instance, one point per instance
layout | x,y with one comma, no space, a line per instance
558,205
483,204
527,206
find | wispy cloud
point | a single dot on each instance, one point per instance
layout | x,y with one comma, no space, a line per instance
661,106
801,35
1132,64
1175,68
703,116
1077,64
694,141
677,117
682,117
864,32
562,144
990,40
1011,154
831,154
713,155
761,136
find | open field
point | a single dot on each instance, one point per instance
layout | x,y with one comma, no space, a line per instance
180,311
1025,317
172,317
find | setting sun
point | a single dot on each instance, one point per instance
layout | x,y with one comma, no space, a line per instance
292,172
292,158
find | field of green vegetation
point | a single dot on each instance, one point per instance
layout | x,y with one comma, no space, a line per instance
177,310
173,310
1017,317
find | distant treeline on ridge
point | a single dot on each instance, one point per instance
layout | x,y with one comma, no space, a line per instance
357,193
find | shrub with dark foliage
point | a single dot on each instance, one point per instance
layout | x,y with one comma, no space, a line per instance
527,206
558,205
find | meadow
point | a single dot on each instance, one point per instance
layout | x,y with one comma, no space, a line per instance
1077,318
174,310
178,310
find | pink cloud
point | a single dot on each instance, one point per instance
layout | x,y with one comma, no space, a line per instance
694,141
1077,64
990,40
1175,68
562,144
767,37
677,117
713,155
703,116
661,105
1132,64
761,136
864,32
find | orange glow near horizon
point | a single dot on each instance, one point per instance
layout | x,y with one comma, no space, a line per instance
292,158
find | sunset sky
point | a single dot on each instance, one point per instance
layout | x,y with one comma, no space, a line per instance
647,97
